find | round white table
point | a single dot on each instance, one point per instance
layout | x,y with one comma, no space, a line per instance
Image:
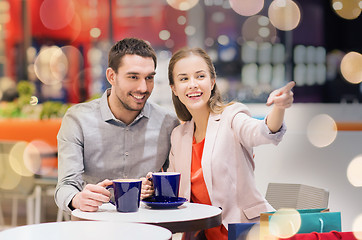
186,218
77,230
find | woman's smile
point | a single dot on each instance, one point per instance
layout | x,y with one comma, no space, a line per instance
194,95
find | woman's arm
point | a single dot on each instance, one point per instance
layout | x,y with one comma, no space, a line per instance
282,98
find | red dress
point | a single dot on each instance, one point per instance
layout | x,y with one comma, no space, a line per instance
199,192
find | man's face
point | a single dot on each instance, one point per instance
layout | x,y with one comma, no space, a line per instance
134,81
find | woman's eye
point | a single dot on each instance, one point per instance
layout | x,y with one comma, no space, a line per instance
201,76
183,79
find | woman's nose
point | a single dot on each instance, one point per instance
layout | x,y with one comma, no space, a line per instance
193,83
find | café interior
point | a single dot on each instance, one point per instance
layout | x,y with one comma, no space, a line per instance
54,53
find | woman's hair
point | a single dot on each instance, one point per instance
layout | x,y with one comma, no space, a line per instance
129,46
216,104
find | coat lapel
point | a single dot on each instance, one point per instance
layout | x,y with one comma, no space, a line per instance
206,162
186,156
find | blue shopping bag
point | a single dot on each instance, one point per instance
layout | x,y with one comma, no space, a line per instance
318,220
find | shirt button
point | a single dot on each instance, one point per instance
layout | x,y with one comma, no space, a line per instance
126,153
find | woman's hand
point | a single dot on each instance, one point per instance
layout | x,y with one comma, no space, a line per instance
283,97
147,186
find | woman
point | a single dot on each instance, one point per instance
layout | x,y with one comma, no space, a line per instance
213,149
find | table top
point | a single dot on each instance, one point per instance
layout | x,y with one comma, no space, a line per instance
86,230
186,218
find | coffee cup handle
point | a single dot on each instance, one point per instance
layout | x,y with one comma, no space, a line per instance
110,201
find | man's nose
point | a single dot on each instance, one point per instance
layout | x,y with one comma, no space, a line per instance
142,85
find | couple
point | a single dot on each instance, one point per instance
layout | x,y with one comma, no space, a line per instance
121,135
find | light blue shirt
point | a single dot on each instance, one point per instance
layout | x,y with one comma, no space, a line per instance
93,145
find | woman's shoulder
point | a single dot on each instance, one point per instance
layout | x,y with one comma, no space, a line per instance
183,128
236,107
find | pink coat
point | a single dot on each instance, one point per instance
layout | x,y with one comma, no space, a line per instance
227,162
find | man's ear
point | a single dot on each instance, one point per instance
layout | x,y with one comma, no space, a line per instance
111,76
173,90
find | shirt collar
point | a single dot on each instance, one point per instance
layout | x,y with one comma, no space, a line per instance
108,115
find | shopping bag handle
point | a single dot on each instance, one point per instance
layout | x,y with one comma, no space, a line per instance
322,224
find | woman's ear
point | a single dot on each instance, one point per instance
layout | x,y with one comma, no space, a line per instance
111,76
213,83
173,90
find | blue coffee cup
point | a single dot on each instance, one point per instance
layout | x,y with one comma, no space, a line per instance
127,194
166,185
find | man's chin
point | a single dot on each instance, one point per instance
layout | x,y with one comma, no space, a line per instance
137,107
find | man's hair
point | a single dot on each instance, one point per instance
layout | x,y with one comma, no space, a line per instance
129,46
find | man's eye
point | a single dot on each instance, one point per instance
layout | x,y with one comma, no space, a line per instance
133,77
183,79
150,78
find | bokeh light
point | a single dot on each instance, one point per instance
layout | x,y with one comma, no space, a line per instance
354,171
258,29
351,67
21,159
190,30
39,155
32,158
170,43
56,14
284,14
33,100
223,40
95,32
209,42
322,130
182,5
347,9
285,223
9,178
51,65
247,7
181,20
164,34
357,227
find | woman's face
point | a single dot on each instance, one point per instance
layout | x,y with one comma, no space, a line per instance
192,83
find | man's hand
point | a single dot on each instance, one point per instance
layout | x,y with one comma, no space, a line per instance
147,186
282,97
92,196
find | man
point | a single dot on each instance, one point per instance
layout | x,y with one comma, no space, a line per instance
119,135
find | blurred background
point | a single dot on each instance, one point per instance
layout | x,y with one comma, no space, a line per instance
53,53
61,46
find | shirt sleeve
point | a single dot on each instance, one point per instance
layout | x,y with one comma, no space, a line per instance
70,161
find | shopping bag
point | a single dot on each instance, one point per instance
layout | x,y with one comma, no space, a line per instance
300,221
239,231
333,235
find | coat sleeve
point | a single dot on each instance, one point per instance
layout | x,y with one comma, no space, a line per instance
249,131
171,157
